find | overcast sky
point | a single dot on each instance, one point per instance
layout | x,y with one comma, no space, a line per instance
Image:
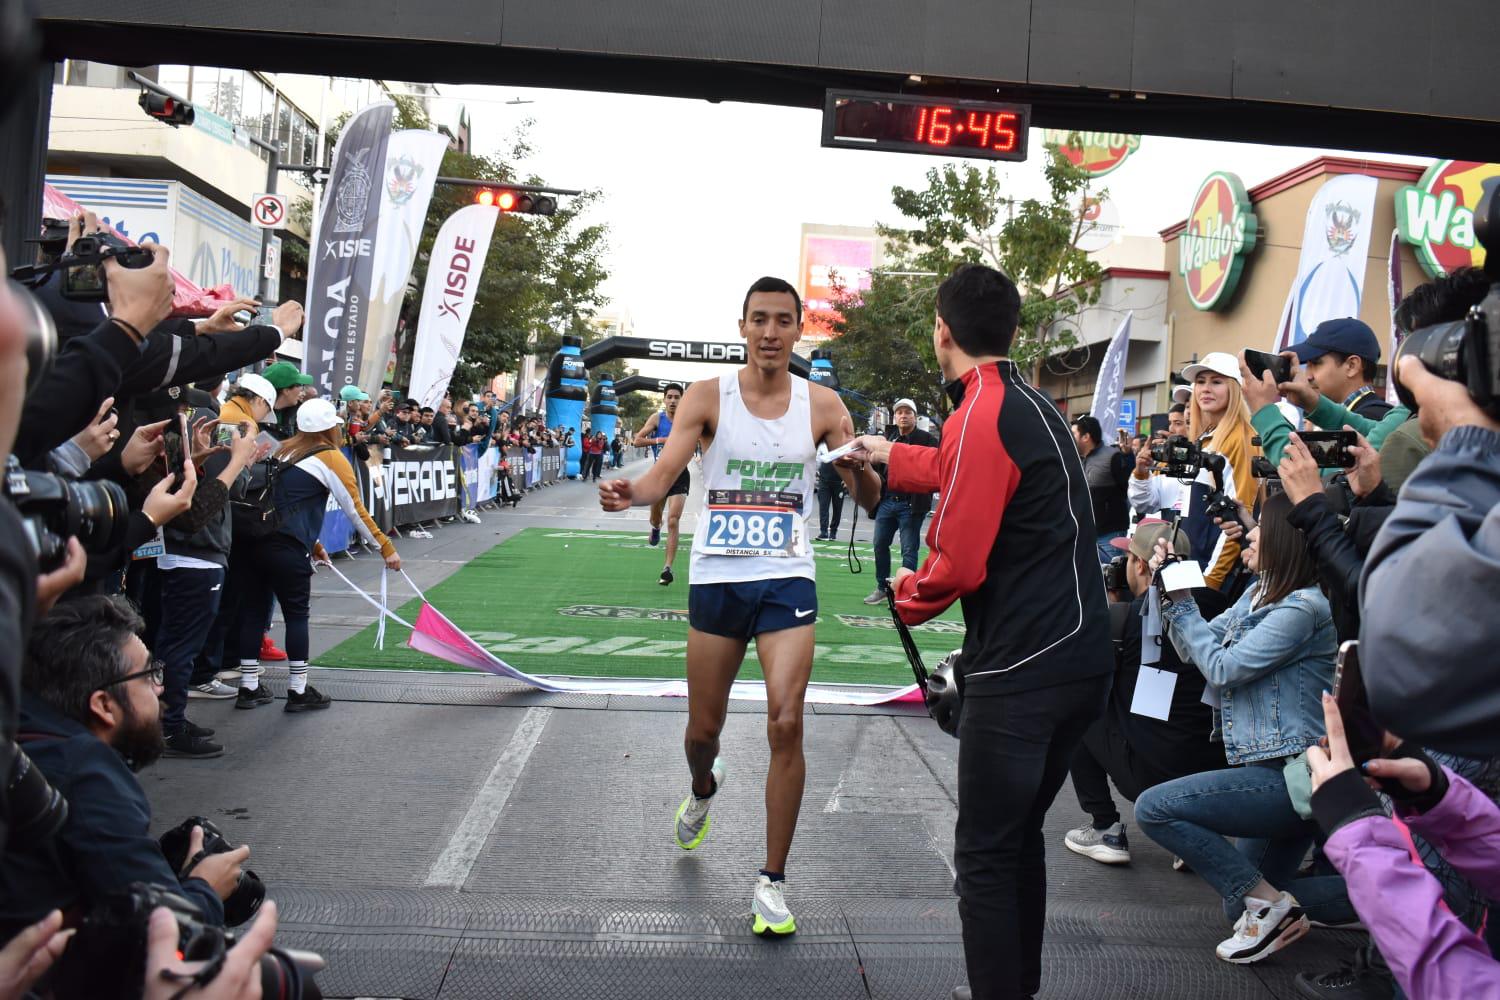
701,199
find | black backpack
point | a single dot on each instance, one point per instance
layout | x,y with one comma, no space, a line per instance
252,503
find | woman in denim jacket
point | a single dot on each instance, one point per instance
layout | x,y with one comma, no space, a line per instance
1267,661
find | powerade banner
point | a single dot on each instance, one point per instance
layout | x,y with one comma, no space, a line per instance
341,257
423,483
453,273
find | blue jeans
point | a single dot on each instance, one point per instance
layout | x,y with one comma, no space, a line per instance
190,598
1193,816
1107,552
888,516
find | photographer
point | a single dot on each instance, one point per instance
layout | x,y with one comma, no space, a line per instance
1137,750
1266,660
1428,629
89,718
1152,495
1432,954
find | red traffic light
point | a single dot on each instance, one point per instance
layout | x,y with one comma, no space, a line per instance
519,202
166,109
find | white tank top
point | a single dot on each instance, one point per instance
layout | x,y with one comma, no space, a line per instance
760,476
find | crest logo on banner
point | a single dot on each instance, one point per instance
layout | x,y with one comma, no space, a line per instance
1343,226
401,178
1436,215
1096,152
1331,268
1220,231
354,193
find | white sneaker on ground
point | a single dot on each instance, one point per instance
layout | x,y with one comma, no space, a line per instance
692,820
769,912
1266,927
877,596
212,689
1108,846
233,674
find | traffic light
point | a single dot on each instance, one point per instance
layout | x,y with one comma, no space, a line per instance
166,109
520,202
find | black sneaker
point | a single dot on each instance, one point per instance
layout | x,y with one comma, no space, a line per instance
308,701
1354,980
187,745
192,729
666,576
248,698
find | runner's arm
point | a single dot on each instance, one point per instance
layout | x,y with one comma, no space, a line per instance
693,414
646,436
862,482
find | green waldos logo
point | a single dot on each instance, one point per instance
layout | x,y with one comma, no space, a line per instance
1436,215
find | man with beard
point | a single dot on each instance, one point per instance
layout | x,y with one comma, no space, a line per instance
89,719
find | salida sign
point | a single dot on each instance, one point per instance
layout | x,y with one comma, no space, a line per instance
1096,152
1436,215
1220,231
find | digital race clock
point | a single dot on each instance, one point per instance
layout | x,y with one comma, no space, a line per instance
906,124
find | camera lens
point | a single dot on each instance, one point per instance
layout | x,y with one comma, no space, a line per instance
41,333
97,513
34,810
1439,348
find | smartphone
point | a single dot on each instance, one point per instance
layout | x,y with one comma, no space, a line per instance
1259,362
1365,736
1330,449
177,445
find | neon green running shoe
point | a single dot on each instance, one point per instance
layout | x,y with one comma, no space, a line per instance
771,917
692,816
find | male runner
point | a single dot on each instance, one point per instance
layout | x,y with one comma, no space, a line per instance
752,565
655,432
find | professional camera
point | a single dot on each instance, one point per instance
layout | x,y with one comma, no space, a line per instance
107,958
82,265
53,509
248,894
1177,457
1114,574
1468,350
32,810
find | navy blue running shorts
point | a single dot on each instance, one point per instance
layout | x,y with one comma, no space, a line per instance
745,609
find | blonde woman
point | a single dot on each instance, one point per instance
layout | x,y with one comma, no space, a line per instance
1219,420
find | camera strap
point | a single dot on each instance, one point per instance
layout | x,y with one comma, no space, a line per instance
913,654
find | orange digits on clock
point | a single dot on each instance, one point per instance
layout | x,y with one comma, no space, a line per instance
947,130
1005,131
922,126
982,127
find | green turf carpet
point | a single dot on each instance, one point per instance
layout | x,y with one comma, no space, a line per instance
586,603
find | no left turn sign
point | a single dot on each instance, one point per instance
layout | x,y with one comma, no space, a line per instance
268,211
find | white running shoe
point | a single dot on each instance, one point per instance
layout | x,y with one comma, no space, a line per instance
877,596
213,689
771,917
1107,846
1266,927
692,820
233,673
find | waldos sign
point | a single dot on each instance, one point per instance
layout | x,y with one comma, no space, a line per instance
1220,231
1436,215
1096,152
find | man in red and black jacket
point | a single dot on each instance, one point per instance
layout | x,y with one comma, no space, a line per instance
1013,540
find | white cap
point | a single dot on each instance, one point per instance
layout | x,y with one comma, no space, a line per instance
906,403
1182,393
259,385
316,415
1216,361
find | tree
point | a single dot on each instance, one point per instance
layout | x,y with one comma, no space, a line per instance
542,276
964,216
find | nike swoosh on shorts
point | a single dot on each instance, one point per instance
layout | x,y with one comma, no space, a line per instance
803,614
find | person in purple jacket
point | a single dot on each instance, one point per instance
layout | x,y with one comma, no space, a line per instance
1433,955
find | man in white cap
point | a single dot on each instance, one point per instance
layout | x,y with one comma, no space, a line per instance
905,511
